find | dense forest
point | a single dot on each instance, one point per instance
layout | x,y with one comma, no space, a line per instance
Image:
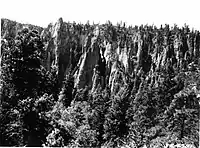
92,85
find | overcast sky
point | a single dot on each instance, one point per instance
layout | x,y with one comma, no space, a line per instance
133,12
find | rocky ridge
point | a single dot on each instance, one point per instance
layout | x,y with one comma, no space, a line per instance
105,55
143,69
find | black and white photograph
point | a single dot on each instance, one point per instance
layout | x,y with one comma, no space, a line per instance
100,73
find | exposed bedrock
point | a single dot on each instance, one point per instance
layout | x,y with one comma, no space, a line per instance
100,55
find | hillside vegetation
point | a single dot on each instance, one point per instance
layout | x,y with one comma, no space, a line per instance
83,85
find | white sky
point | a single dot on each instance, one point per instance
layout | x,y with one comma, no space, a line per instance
135,12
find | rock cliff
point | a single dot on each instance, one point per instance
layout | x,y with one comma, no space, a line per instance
103,55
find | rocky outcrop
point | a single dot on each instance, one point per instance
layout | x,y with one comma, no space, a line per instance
102,55
57,48
63,46
89,60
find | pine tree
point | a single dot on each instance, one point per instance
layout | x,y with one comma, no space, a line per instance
23,82
66,95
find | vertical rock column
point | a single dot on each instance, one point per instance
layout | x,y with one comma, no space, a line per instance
88,61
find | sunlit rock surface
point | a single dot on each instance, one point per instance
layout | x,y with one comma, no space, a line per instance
96,56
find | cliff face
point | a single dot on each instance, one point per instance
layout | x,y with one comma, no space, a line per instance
99,56
63,46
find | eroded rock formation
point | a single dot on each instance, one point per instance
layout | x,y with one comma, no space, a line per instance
103,55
